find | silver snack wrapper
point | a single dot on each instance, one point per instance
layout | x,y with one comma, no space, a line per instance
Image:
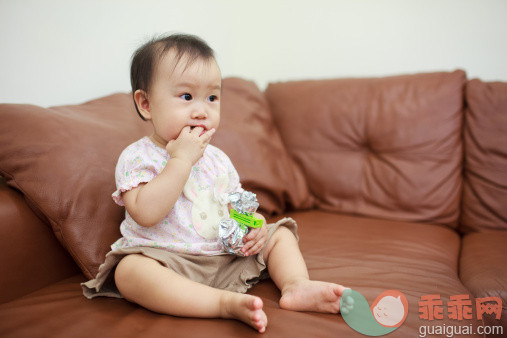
231,233
244,202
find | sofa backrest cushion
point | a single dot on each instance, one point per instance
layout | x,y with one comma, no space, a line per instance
485,142
382,147
63,160
247,134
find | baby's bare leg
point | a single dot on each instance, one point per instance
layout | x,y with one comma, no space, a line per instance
288,270
146,282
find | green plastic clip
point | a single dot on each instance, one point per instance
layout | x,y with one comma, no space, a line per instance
247,220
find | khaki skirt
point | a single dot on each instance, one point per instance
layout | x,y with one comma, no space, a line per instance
228,272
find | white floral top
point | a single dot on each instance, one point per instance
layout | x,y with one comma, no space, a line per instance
192,225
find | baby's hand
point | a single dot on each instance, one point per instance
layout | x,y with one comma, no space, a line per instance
255,240
190,144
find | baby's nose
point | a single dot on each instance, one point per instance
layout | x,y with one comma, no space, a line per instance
199,113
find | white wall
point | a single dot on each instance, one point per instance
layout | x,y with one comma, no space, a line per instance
56,52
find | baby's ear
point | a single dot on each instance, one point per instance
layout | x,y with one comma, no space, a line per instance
190,190
142,103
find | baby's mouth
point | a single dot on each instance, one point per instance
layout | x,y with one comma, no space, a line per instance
204,129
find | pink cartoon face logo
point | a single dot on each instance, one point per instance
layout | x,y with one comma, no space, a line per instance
390,308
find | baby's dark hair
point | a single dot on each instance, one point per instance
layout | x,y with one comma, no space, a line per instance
146,57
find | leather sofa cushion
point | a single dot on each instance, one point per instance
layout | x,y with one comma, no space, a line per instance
483,267
368,255
485,141
31,256
386,147
247,134
63,158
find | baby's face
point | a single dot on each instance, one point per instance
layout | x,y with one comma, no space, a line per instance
185,95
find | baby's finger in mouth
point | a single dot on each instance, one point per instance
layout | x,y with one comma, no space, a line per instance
197,130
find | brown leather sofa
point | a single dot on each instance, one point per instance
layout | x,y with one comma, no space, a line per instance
396,183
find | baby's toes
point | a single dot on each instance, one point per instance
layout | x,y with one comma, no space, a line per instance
255,316
333,296
255,303
331,292
338,289
259,320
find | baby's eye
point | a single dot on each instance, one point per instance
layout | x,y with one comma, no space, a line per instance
212,98
186,97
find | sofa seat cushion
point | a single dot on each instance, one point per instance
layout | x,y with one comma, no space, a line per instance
368,255
483,267
372,255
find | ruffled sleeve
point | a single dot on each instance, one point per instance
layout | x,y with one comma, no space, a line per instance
132,169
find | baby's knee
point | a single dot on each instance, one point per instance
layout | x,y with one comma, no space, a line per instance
280,234
283,232
127,268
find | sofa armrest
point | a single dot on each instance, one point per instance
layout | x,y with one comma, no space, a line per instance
30,255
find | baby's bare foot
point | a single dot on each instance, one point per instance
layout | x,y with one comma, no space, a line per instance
307,295
246,308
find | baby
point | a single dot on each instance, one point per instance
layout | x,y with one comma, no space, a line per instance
174,187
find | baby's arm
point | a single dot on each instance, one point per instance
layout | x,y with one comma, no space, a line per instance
150,202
